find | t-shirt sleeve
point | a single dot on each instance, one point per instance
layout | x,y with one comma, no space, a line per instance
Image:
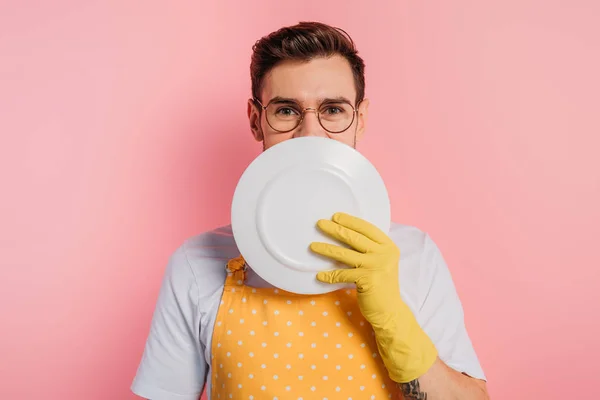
172,366
441,314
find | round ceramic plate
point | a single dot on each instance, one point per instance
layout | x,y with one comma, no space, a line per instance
285,191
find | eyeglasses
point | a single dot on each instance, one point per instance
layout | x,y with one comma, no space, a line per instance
335,116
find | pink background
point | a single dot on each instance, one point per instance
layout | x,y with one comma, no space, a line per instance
124,131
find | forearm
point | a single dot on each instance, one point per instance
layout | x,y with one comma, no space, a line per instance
441,382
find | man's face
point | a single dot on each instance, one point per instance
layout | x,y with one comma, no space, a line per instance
310,85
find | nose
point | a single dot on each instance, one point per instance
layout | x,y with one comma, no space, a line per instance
310,125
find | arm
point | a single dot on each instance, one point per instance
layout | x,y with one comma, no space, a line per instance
408,351
443,382
172,365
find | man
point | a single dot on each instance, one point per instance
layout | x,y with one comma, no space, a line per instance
401,334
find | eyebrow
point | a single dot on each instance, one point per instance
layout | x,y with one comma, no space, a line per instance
287,100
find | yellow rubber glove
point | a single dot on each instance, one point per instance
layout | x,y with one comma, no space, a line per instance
405,348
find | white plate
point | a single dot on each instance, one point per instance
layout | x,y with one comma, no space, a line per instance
285,191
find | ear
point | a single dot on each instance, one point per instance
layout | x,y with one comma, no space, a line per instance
254,119
363,111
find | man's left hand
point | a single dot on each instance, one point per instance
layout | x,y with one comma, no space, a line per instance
374,260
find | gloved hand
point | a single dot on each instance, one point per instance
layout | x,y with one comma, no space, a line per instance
405,348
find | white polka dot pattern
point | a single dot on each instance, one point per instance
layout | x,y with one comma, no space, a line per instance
279,345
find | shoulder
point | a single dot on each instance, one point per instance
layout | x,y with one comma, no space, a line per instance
415,245
200,260
209,250
420,261
407,235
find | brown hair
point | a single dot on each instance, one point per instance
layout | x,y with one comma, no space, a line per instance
304,42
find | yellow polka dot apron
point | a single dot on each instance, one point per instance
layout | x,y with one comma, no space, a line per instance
272,344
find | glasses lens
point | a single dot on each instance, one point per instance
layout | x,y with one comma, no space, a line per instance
336,117
283,117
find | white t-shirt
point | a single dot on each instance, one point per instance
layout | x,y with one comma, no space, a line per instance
176,360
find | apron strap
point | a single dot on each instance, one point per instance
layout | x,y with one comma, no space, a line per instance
236,271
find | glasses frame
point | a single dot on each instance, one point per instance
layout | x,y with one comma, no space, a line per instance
309,109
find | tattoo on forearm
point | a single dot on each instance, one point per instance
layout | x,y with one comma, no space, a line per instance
412,391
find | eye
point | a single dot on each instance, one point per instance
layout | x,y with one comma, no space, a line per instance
333,110
286,112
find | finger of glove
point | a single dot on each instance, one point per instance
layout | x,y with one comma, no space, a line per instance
361,226
346,256
340,275
352,238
